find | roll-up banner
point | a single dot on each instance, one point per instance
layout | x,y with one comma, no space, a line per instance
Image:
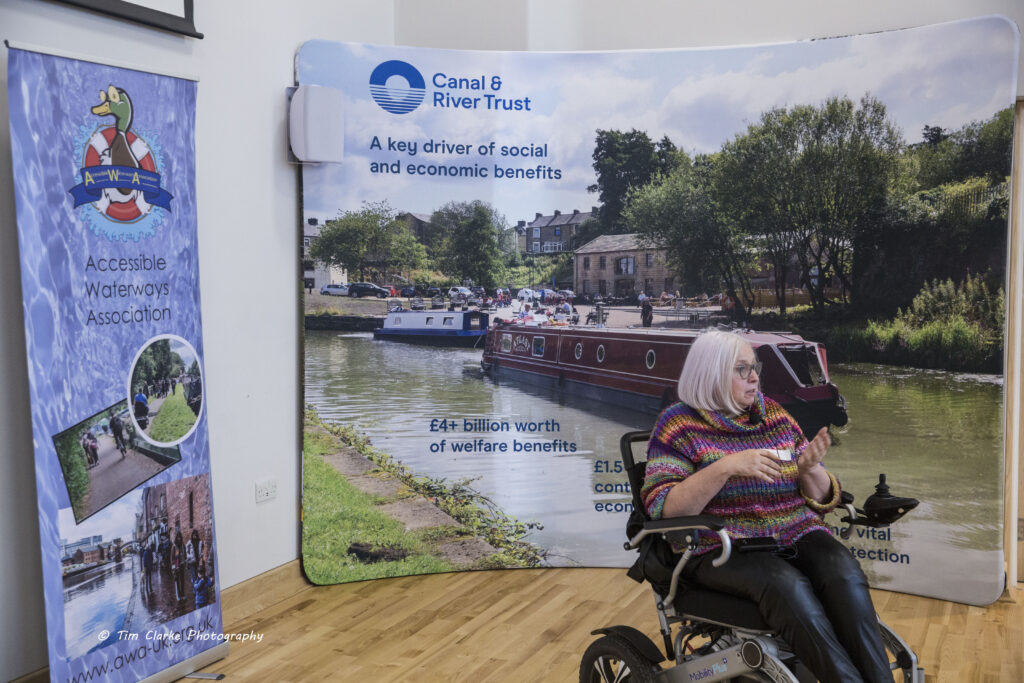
507,255
104,170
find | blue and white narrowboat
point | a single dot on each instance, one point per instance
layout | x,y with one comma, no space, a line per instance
434,328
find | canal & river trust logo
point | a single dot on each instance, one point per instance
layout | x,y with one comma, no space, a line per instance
397,86
119,172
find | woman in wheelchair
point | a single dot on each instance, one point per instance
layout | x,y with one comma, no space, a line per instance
727,450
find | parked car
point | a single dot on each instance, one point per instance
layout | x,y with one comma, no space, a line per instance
433,291
527,294
334,290
480,292
460,293
410,291
566,294
361,289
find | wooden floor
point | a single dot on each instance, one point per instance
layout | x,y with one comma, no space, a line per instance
531,625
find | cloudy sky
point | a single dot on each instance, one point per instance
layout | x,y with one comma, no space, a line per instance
115,520
945,75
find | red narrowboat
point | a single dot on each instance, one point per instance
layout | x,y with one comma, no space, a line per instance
639,368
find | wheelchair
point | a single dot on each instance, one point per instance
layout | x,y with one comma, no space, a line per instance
717,636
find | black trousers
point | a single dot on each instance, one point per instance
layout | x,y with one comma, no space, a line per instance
818,601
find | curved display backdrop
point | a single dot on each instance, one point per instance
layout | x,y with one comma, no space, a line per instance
476,342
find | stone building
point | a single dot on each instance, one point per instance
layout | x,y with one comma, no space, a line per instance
552,234
621,265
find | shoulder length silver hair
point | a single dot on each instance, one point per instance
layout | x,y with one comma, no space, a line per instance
706,379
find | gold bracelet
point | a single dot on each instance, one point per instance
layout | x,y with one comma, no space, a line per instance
833,501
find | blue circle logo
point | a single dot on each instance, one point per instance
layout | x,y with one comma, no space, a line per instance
397,98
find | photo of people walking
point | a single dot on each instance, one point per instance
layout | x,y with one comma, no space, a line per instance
166,390
144,561
103,457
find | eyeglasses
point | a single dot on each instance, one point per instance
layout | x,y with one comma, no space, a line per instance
744,370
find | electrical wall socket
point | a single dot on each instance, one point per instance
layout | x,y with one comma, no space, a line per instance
266,489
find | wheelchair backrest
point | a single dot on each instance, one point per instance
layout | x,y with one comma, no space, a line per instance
633,450
656,560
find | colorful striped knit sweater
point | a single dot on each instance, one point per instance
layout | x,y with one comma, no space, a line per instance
686,439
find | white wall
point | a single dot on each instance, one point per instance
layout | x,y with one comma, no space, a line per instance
248,233
244,63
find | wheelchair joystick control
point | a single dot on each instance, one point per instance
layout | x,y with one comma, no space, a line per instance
882,508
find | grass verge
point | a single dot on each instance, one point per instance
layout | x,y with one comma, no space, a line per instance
324,510
173,420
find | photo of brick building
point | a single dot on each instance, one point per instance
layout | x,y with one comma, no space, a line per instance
621,265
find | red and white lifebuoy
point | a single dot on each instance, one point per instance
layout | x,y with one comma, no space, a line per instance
113,204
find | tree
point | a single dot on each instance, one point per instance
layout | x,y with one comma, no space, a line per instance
474,253
678,213
466,242
368,240
933,135
806,182
156,362
405,252
623,161
980,149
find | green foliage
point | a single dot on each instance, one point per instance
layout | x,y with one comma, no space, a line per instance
978,149
623,161
72,465
951,344
173,420
464,242
806,182
157,361
678,210
970,301
537,270
370,242
947,326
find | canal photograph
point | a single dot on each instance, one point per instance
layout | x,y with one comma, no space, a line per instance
841,208
936,435
138,564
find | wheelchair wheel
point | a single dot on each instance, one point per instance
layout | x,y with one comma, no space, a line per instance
612,659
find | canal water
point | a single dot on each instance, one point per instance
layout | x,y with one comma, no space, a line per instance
96,601
547,457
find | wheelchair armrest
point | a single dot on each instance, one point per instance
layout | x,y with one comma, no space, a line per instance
709,522
665,526
676,524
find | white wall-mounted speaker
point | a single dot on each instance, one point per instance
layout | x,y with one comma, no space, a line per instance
316,124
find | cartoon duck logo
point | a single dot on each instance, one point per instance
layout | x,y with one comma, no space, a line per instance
119,172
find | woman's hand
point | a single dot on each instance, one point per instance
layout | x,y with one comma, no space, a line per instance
759,463
815,452
814,480
691,495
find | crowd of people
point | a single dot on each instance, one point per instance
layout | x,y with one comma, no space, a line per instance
185,563
559,311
